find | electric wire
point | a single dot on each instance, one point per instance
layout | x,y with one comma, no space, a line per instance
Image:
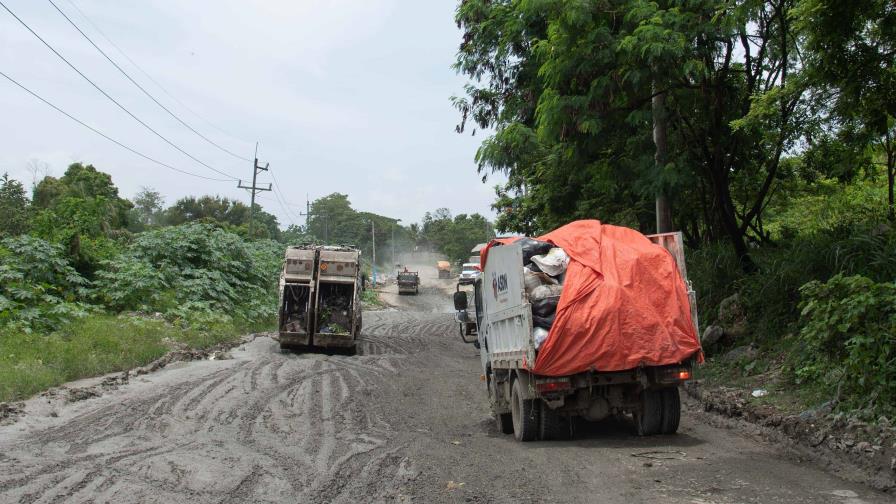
141,88
150,77
282,196
113,100
107,137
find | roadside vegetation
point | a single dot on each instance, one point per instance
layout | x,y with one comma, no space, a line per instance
92,283
764,131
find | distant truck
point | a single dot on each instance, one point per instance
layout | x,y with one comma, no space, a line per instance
533,406
320,298
444,269
408,282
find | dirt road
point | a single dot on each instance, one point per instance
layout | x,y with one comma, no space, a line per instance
404,421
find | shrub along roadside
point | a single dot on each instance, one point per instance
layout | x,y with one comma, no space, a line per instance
206,286
848,342
98,344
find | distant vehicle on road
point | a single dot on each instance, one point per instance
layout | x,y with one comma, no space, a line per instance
408,282
444,269
469,273
320,298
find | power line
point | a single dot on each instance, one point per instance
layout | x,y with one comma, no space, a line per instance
282,196
148,76
107,137
141,88
113,100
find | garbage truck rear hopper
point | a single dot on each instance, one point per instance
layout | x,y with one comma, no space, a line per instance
320,289
532,405
338,309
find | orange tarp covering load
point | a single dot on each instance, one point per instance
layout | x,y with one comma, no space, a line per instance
624,304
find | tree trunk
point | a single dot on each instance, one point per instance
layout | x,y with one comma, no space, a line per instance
890,149
661,155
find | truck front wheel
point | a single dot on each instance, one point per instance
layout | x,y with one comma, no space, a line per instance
671,410
504,421
525,413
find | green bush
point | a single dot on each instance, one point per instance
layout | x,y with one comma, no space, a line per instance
193,271
39,290
848,341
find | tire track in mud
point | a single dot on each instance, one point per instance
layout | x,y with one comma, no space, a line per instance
265,426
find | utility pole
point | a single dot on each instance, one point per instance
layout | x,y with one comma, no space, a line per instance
660,141
393,240
254,189
373,237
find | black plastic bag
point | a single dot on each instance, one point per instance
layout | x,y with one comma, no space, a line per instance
532,247
543,322
545,307
533,267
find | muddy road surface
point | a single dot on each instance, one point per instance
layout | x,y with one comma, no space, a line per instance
406,420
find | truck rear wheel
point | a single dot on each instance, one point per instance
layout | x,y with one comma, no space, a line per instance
648,421
671,410
525,413
554,427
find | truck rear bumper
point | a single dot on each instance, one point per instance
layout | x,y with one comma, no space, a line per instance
294,339
334,340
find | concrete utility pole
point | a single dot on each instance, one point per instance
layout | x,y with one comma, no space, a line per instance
660,141
393,240
254,189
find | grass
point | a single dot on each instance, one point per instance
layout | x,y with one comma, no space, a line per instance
768,372
371,299
92,346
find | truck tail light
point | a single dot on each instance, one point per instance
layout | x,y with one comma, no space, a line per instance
674,374
545,386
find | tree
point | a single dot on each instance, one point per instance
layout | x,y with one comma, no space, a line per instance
14,207
455,236
80,183
334,221
222,211
148,204
568,89
851,58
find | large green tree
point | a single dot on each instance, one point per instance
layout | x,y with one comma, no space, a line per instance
455,236
334,221
222,211
567,87
850,48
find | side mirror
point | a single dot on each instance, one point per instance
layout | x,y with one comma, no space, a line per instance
460,301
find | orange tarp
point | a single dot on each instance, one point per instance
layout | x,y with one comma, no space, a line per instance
624,304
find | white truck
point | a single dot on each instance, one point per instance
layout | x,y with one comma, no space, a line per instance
538,407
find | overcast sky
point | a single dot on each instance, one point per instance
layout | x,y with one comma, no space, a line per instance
346,96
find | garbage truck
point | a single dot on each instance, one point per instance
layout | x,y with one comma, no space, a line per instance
444,268
320,298
408,282
588,321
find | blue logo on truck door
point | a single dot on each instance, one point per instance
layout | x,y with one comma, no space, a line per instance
499,284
